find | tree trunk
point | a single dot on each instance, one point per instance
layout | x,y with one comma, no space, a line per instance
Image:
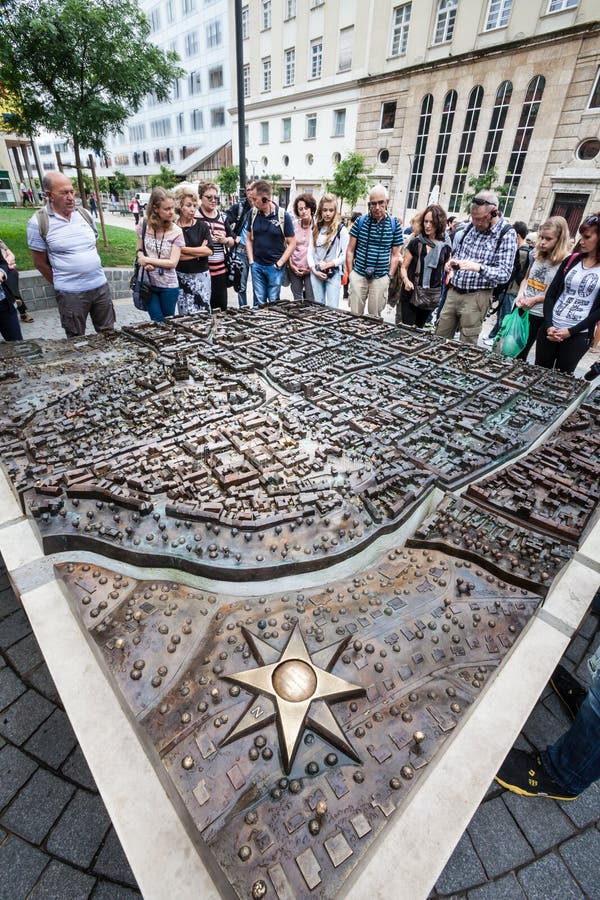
79,173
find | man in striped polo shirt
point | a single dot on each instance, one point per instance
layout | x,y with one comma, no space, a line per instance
373,256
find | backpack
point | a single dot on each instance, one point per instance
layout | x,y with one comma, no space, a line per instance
280,221
464,232
44,222
520,267
361,220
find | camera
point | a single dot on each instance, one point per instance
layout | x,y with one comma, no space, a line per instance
369,273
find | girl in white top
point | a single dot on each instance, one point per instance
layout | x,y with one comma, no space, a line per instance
158,252
552,246
327,252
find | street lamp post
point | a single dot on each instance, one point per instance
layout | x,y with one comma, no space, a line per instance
239,55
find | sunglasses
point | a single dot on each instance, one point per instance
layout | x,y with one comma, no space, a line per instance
479,201
590,220
210,197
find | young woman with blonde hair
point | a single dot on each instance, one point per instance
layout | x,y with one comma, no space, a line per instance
158,252
327,252
192,270
552,246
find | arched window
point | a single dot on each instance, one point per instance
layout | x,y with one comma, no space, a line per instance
531,106
441,152
492,144
466,147
416,170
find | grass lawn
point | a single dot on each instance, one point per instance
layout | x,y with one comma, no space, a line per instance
13,225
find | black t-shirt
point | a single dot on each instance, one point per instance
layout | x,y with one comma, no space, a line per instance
193,236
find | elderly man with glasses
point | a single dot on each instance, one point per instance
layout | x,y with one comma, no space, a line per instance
482,258
373,255
270,240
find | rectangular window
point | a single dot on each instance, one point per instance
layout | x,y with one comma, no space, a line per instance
245,23
594,102
215,78
246,74
290,9
289,67
400,26
388,114
339,122
155,19
213,33
160,128
286,130
136,133
311,126
345,49
316,58
176,89
444,26
45,149
191,44
559,5
188,6
266,14
217,117
264,132
196,120
498,14
315,3
194,84
266,73
180,123
170,10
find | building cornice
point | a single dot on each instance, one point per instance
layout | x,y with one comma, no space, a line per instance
298,96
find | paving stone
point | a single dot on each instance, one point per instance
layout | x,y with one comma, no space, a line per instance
8,602
15,770
582,856
112,862
577,649
42,681
78,770
542,728
106,890
506,888
548,877
542,821
37,807
586,808
25,655
463,870
11,687
582,673
588,626
24,716
20,867
497,839
3,835
13,628
53,741
61,882
556,708
78,833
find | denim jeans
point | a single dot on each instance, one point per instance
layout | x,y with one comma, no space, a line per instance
162,303
266,283
327,292
574,760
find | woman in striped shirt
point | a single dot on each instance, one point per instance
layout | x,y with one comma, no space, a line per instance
221,237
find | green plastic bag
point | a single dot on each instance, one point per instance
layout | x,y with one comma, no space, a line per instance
514,332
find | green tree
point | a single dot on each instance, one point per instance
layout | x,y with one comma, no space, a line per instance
228,180
119,182
485,181
80,67
166,178
350,179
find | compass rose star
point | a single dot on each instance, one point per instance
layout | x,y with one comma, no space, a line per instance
298,693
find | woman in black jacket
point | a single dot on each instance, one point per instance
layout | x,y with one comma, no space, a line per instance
572,304
422,266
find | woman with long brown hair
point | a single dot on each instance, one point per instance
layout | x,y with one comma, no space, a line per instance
422,266
572,304
159,248
327,252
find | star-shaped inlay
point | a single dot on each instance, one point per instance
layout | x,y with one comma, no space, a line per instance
296,694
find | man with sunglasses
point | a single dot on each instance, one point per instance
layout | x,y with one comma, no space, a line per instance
373,255
270,240
482,258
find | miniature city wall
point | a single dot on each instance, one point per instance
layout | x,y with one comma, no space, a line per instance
347,527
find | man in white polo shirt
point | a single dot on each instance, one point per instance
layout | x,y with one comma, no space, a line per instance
63,246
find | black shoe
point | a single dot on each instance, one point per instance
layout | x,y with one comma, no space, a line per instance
568,690
522,773
593,373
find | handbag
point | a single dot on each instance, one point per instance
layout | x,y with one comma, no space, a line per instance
139,283
424,297
235,267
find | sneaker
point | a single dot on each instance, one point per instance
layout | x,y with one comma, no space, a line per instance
522,773
568,690
487,341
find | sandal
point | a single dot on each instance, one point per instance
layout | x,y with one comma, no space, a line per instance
26,318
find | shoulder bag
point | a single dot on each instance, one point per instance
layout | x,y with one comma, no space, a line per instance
139,283
424,298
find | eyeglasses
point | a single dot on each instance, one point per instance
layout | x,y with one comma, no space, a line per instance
210,196
377,202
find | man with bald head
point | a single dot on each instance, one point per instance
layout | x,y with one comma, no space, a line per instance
373,255
62,240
